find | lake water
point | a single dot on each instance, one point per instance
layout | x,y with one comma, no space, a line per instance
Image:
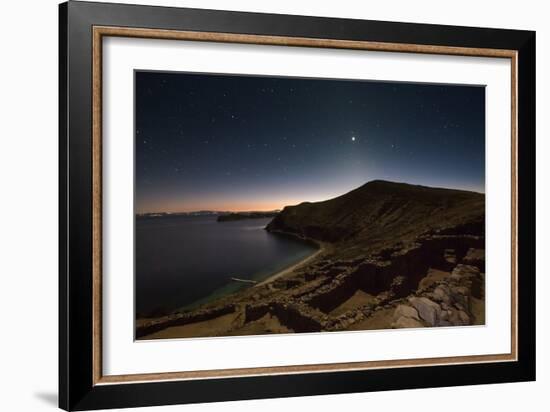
187,260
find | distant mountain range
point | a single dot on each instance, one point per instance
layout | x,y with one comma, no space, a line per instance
230,215
246,215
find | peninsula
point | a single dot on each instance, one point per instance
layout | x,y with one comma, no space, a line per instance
228,217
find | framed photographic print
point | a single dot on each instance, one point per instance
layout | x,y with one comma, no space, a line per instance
258,205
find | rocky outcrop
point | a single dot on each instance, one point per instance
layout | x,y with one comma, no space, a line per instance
446,303
398,275
404,311
427,309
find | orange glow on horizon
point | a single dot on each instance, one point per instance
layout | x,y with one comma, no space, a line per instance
183,207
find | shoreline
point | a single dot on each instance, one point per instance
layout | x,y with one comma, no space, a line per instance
321,247
291,268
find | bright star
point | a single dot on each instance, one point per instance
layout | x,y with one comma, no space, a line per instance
353,138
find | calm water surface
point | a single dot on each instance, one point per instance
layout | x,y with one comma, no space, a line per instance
187,260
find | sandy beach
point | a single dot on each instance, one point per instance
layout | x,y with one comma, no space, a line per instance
290,269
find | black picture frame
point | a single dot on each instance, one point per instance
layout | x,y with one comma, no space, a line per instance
77,390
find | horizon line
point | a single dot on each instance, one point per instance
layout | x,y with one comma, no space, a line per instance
244,210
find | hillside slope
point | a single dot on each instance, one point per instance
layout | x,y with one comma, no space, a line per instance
381,212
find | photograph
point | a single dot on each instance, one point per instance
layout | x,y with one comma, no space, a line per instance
280,205
262,204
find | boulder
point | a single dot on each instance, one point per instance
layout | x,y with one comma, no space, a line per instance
428,310
443,316
441,294
461,295
405,311
464,318
459,318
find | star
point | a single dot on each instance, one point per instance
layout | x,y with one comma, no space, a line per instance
353,138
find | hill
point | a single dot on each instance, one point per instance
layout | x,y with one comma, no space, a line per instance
381,212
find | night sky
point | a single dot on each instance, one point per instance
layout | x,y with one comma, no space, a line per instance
218,142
